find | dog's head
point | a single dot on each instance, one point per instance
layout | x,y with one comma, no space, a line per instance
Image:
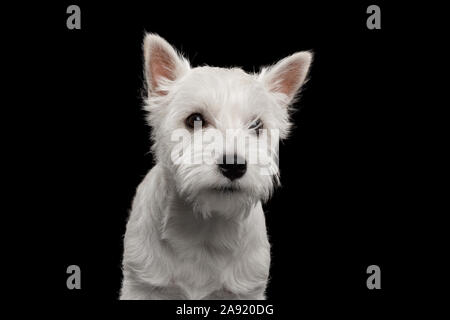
217,130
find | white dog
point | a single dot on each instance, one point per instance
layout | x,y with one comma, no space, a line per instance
197,228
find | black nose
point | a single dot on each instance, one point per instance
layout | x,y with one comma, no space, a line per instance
234,168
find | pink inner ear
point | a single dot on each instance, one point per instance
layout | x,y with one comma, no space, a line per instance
289,79
161,66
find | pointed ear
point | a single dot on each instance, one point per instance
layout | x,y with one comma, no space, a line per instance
288,75
162,64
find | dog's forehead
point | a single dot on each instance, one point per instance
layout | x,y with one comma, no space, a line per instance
224,74
223,89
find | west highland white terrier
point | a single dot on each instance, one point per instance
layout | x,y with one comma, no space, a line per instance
197,228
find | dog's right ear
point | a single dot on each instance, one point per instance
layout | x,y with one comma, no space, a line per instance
162,64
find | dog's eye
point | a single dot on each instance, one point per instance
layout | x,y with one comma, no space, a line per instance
190,121
255,125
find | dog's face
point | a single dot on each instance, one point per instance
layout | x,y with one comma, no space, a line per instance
217,130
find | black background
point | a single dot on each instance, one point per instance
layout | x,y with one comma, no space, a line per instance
345,198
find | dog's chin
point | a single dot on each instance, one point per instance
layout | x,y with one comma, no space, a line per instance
228,201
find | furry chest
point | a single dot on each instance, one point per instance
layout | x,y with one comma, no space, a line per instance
227,277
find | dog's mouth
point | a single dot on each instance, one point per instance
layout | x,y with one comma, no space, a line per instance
227,189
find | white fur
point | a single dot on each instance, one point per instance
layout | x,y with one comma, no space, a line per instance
185,239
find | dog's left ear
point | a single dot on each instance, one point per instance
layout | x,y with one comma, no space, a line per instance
288,75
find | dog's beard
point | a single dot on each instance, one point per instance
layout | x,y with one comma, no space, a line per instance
210,193
226,203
